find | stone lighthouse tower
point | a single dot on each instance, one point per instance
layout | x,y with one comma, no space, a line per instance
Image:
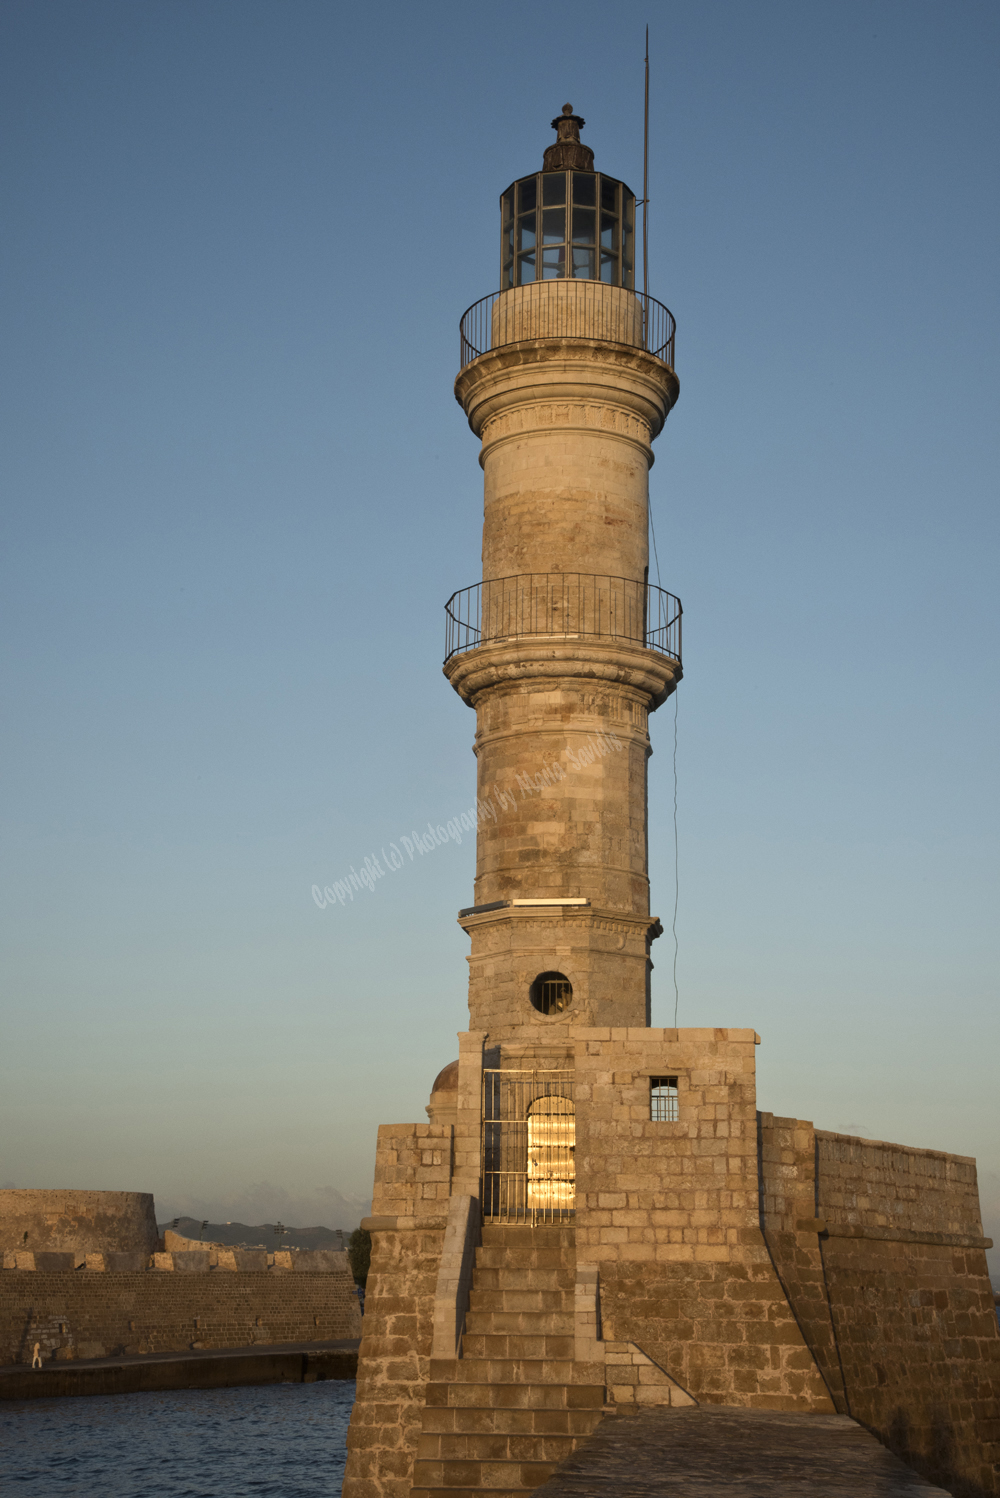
564,648
595,1217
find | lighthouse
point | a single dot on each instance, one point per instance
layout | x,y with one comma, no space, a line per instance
564,648
595,1218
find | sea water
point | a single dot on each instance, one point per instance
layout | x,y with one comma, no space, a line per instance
279,1440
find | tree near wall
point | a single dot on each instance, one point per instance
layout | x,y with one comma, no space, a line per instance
359,1255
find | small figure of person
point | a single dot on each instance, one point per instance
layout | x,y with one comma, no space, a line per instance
36,1356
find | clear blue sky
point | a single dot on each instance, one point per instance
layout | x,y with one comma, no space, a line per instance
236,242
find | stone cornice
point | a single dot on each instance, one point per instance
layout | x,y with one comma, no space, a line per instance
618,922
569,372
591,658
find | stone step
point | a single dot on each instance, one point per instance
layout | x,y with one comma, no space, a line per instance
530,1323
514,1394
492,1446
502,1370
522,1233
499,1257
468,1492
507,1476
516,1298
510,1420
517,1277
544,1347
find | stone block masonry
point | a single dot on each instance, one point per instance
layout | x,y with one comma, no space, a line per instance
668,1210
395,1356
88,1314
720,1257
881,1252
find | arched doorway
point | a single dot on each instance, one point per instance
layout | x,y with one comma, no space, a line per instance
529,1146
551,1157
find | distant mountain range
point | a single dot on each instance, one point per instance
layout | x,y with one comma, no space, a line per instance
242,1235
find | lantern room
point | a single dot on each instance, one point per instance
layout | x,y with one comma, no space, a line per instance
567,221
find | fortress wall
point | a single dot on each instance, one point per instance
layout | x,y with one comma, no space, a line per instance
787,1175
668,1212
87,1221
918,1340
393,1361
891,1239
869,1183
413,1173
88,1314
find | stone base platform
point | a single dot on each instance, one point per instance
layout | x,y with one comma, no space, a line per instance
699,1453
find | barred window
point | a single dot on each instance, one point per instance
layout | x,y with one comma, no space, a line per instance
551,993
663,1099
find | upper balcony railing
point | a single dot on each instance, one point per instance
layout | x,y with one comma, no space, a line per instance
568,309
567,605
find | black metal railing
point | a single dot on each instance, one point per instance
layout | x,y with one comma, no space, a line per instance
568,309
563,603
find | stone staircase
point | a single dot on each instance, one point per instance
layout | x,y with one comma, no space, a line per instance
503,1416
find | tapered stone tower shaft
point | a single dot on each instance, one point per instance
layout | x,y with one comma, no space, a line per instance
564,649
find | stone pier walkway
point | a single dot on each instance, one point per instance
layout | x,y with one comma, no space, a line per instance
208,1368
698,1453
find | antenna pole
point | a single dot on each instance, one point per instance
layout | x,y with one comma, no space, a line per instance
645,181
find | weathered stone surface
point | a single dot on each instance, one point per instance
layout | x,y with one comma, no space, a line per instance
881,1253
77,1221
82,1314
562,738
747,1453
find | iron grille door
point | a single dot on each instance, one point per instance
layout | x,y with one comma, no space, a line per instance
529,1145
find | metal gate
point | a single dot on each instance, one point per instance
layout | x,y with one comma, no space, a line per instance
529,1144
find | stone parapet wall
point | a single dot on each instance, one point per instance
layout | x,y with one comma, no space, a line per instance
183,1261
869,1183
90,1315
880,1249
394,1359
413,1170
786,1165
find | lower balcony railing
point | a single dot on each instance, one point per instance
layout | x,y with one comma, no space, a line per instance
566,604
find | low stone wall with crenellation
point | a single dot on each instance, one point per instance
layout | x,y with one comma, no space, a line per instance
95,1313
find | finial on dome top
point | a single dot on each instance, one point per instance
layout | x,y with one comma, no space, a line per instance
568,154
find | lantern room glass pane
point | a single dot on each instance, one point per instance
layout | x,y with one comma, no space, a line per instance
527,195
609,195
583,264
553,189
525,269
584,225
553,263
585,189
553,225
609,265
609,233
526,233
507,205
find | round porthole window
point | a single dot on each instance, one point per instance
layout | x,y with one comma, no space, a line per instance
551,993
